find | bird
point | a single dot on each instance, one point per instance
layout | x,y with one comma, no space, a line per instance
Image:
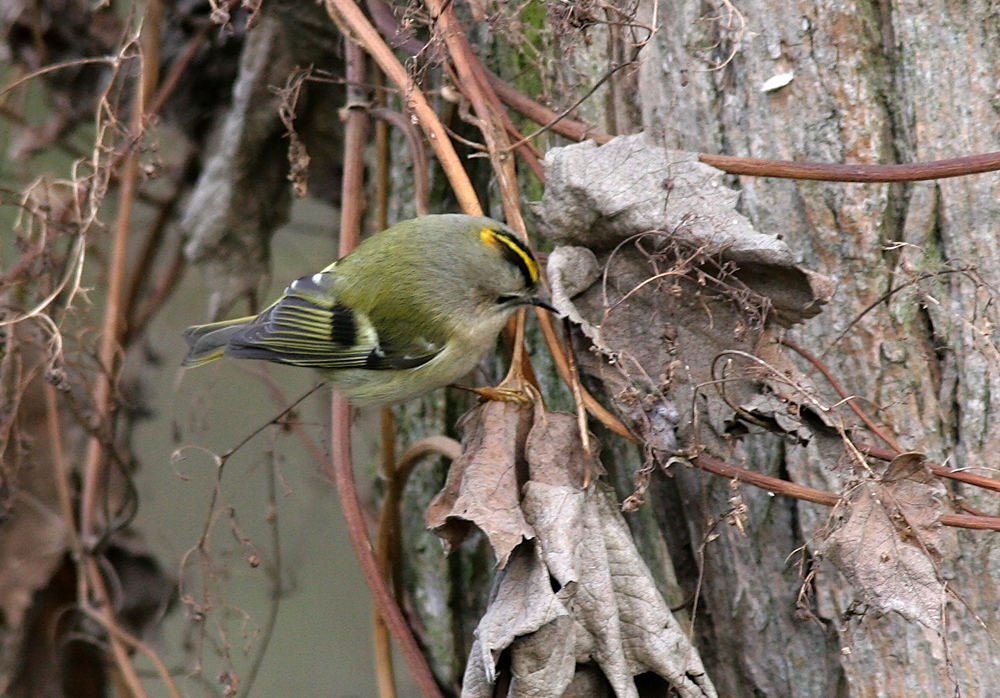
413,308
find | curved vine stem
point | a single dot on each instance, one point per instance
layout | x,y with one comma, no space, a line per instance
343,477
810,494
343,469
349,17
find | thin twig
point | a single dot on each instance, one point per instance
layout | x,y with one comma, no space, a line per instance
277,395
386,551
540,114
383,153
548,126
884,298
465,62
355,128
387,533
179,66
105,611
849,399
936,468
58,462
390,27
387,537
112,325
488,109
151,246
441,445
559,357
94,462
276,419
577,389
418,158
133,641
161,292
348,14
61,141
343,472
70,280
971,521
274,571
762,167
766,482
110,60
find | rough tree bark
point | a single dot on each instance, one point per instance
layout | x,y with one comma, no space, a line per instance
874,82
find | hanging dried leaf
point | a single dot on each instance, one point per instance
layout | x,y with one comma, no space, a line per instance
574,592
483,484
783,413
887,541
590,599
523,604
554,451
682,277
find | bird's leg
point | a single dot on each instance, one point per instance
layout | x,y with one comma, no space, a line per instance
524,395
504,393
519,385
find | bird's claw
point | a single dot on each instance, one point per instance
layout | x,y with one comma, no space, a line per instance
516,395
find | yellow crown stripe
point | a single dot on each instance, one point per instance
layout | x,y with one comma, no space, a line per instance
493,238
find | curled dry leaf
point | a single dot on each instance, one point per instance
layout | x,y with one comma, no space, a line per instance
579,594
796,390
782,412
683,277
554,451
572,590
483,485
887,540
598,196
522,604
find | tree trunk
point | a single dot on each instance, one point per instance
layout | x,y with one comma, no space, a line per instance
916,269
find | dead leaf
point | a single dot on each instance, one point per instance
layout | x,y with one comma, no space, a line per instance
598,196
795,388
554,451
483,484
784,413
572,592
523,603
887,541
587,575
659,224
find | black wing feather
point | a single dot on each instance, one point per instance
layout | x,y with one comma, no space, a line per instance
308,327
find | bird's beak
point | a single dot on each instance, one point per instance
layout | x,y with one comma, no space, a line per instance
538,302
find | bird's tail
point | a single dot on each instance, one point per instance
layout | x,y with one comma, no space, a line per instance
208,342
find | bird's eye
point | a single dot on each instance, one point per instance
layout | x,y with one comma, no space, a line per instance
506,298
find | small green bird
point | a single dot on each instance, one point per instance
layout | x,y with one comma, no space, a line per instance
411,309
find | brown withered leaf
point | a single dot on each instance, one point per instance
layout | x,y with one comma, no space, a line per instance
579,592
887,540
483,485
554,451
523,605
657,224
783,412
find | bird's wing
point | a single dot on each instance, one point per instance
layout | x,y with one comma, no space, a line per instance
307,326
